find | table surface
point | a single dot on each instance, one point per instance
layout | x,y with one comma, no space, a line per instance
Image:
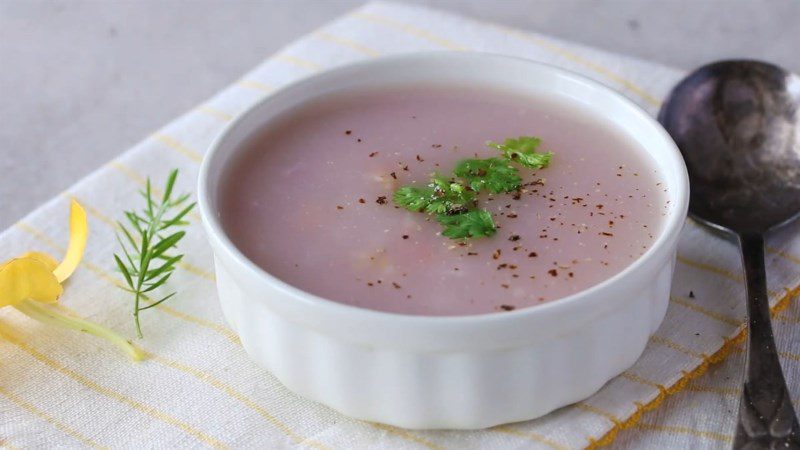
82,81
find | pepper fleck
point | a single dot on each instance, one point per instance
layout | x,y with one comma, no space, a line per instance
553,272
381,200
514,238
348,132
532,255
507,307
405,236
361,200
373,154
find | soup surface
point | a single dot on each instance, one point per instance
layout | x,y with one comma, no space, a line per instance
310,200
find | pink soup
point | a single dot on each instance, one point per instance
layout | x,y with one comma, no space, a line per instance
310,201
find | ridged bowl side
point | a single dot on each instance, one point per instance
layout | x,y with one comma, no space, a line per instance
445,390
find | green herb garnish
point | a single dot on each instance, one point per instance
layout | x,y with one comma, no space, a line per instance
413,198
146,244
523,150
475,223
493,174
449,197
454,200
440,196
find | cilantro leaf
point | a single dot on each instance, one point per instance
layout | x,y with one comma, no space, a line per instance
523,151
475,223
494,174
453,200
449,197
414,198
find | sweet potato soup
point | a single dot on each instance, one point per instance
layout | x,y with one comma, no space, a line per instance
312,200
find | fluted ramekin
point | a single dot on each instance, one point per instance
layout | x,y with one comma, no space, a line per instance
462,372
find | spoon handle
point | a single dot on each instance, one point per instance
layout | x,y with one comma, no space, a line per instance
766,417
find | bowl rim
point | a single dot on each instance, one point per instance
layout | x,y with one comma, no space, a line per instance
668,234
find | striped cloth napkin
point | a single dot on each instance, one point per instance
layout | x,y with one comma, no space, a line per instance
198,388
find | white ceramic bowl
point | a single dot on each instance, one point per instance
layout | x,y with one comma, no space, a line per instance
448,372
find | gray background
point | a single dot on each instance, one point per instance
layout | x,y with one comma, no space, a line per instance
81,81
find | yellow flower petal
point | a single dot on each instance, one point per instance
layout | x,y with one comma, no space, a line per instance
27,278
43,258
78,232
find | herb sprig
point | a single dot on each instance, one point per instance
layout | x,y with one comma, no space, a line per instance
454,200
475,223
494,174
147,241
523,150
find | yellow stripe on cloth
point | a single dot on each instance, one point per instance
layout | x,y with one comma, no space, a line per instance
666,342
641,380
297,62
11,336
256,85
685,430
178,147
408,29
405,434
706,312
600,412
66,429
353,45
214,112
710,268
733,392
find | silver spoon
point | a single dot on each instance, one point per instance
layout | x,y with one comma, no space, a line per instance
737,124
